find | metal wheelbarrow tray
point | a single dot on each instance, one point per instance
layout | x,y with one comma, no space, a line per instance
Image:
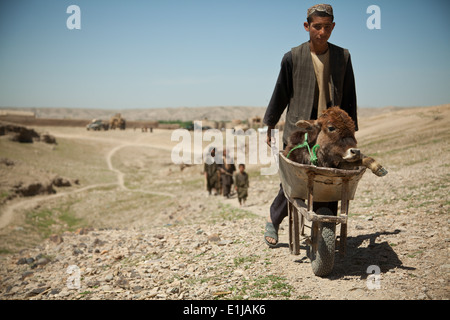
317,184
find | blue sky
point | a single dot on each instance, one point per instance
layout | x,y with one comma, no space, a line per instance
166,53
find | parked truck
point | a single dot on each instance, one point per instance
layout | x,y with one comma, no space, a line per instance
117,122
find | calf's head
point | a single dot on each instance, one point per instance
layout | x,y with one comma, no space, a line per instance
334,132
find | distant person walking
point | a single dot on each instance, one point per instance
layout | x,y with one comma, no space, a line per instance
212,174
241,184
226,173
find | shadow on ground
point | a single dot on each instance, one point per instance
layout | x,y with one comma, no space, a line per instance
359,256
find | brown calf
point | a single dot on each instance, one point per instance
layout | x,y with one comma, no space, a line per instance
332,139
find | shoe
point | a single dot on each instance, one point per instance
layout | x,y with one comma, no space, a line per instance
271,232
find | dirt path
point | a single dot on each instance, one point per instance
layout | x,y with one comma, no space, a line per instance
26,204
29,203
121,175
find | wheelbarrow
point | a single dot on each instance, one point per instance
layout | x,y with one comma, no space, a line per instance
317,184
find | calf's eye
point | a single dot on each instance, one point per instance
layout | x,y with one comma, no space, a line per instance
331,129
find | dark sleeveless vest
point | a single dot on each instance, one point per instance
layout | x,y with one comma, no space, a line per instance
304,95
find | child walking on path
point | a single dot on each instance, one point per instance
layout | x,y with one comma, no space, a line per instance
241,184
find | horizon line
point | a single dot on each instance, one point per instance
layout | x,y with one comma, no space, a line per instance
193,107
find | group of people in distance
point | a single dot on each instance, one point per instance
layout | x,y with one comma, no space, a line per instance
220,178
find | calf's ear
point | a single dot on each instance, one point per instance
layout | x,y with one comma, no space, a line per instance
312,127
307,125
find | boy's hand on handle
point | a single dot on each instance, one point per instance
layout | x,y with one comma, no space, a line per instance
269,135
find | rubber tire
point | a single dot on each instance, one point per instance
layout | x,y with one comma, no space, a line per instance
322,260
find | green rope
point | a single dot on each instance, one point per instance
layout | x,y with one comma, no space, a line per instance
312,155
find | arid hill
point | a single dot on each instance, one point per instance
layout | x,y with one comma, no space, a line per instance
167,114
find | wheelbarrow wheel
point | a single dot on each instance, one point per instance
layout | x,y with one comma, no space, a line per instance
323,245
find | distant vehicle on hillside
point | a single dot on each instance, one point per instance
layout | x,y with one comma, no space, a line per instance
97,125
117,122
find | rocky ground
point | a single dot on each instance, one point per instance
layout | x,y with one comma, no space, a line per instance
227,260
194,246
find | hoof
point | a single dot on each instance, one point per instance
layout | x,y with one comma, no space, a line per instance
381,172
